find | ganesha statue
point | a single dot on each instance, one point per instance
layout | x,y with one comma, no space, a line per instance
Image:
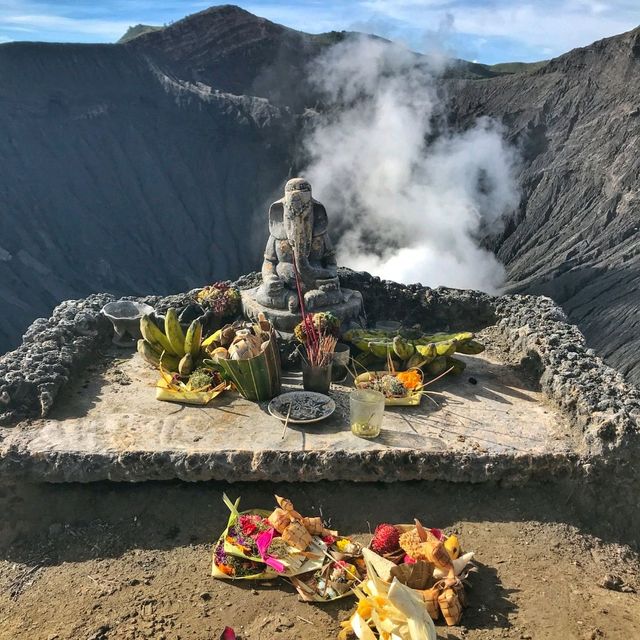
299,262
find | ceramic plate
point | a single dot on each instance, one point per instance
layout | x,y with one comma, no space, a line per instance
306,407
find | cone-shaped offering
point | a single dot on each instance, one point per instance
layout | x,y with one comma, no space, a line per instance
279,520
296,535
450,606
430,597
418,575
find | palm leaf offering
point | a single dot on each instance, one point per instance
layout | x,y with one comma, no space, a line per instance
260,545
247,355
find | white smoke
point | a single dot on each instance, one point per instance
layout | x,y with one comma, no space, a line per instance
407,210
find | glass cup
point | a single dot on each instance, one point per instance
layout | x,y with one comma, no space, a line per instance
367,409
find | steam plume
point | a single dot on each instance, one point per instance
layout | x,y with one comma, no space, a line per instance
411,197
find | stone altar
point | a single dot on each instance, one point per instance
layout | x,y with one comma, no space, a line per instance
299,240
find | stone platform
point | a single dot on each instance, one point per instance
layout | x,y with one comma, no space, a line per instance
347,311
107,425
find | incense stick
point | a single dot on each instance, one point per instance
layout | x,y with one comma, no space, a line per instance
286,422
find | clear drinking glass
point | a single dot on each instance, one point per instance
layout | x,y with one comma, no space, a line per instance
367,408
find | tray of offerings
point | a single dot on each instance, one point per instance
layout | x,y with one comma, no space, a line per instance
402,388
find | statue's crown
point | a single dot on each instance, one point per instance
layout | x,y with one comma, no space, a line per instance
297,184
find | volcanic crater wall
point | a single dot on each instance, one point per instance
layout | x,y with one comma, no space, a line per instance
142,167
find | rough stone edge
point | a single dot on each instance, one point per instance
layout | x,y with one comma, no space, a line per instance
596,398
277,466
55,350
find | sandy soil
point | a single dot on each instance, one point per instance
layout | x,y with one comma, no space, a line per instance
105,561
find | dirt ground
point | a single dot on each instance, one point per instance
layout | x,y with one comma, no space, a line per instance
106,561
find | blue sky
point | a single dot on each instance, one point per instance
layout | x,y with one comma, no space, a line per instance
484,30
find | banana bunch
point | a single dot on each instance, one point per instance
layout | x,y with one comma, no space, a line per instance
174,350
432,352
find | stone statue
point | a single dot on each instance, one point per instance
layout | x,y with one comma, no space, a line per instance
299,239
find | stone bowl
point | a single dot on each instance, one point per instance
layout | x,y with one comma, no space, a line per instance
125,317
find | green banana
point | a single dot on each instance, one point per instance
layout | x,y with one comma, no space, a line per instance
416,361
148,353
193,339
154,336
185,366
174,331
380,349
435,368
361,345
403,348
169,362
470,347
458,365
153,356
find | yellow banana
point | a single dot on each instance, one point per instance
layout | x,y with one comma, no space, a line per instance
154,336
427,351
174,332
214,337
446,348
193,339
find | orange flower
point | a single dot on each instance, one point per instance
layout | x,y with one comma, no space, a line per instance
410,379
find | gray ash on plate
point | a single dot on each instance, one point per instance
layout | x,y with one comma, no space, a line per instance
303,407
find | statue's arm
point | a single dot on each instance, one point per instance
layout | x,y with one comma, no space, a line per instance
329,259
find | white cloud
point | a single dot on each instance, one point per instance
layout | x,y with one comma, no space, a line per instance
53,23
555,25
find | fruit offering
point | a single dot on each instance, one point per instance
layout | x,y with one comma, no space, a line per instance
432,353
398,388
425,560
282,540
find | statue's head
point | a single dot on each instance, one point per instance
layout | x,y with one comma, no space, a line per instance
297,184
297,194
298,214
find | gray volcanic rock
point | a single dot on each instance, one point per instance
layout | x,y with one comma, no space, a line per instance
575,237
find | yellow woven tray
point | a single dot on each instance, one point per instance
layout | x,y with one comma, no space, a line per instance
412,400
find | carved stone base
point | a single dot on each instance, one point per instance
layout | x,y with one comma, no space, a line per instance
350,309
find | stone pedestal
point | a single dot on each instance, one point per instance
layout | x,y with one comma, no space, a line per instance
350,309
